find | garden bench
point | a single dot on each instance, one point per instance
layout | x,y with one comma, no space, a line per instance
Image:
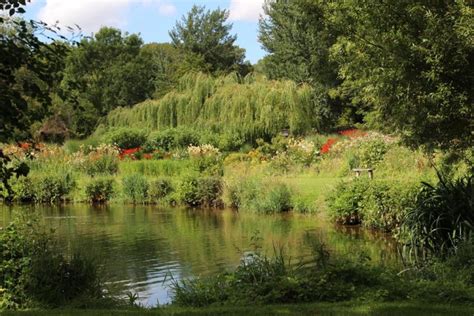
358,171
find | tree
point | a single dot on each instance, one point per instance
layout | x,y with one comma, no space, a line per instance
28,69
298,36
204,37
411,62
166,61
104,72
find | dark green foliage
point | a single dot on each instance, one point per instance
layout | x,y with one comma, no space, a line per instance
410,62
298,36
34,271
201,191
29,71
52,188
8,170
205,39
135,188
126,138
442,216
99,190
23,190
105,71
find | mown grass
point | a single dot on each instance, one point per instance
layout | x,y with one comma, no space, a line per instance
349,309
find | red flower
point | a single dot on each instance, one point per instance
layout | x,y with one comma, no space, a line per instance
352,133
129,152
24,145
148,156
327,145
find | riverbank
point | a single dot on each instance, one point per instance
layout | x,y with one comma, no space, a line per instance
332,309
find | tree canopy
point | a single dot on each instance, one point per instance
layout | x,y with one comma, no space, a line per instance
205,38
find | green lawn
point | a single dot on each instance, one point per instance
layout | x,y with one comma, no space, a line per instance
392,309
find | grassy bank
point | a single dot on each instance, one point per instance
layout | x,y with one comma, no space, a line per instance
349,309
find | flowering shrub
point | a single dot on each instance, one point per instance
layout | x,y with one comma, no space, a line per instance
202,151
301,151
352,133
206,159
100,160
327,145
129,153
364,151
99,190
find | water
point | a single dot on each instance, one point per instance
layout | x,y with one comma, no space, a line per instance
141,249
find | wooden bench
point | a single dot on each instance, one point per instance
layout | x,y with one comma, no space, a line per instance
358,172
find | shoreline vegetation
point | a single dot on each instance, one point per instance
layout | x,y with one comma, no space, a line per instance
345,85
308,175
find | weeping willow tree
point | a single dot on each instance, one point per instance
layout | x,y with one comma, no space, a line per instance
250,107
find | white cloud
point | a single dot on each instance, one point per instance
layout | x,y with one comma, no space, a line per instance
246,10
90,15
167,9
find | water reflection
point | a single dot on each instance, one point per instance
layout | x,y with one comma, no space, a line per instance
139,248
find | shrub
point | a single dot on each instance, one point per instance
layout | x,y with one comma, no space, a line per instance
162,140
99,190
160,189
52,188
374,203
442,215
206,159
135,188
253,195
23,189
172,138
126,138
277,199
197,191
34,270
100,164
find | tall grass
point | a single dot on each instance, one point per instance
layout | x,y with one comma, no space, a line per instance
155,168
443,215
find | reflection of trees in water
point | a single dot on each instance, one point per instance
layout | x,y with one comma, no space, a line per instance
138,242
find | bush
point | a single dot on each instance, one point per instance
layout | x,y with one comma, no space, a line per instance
248,194
374,203
23,189
52,188
99,190
102,161
135,188
206,159
442,216
160,189
126,138
197,191
277,199
34,270
172,138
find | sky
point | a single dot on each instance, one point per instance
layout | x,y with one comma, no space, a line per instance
151,18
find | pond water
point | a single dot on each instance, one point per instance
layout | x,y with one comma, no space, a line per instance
141,249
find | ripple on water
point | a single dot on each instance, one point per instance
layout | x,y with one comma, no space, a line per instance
143,249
